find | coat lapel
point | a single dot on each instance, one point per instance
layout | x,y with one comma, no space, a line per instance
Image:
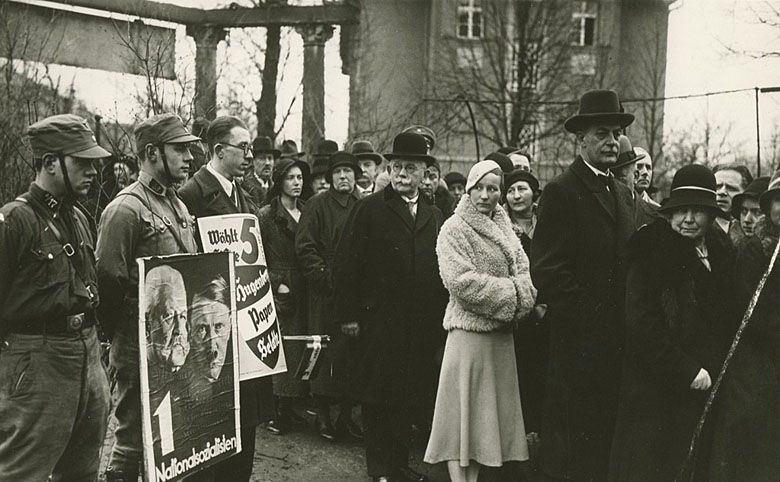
625,212
398,206
217,201
424,214
599,190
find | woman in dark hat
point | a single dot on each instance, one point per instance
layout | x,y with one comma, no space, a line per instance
680,317
746,441
279,224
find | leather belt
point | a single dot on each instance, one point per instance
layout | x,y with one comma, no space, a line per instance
63,325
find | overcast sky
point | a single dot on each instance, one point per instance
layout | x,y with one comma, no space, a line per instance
707,43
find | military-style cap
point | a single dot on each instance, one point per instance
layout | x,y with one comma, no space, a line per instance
66,134
162,129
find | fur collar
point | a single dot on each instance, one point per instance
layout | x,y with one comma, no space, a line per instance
768,234
498,229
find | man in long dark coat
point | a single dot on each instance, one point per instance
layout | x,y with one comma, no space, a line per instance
391,299
318,234
585,219
206,194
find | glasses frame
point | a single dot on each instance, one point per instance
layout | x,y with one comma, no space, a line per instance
248,149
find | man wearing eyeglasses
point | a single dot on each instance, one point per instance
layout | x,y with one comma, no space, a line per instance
145,219
391,302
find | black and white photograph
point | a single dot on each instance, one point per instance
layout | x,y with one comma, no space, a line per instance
390,240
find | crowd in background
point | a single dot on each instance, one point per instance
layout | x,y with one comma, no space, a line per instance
572,331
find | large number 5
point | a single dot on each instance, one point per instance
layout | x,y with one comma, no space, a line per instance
248,236
165,419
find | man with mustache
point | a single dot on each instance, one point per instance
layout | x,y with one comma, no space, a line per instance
214,191
584,221
166,318
54,395
145,219
319,231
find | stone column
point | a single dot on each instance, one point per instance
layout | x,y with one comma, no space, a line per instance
206,40
314,38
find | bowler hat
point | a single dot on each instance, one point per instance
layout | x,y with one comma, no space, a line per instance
772,192
264,145
598,107
281,168
424,131
364,150
412,146
455,177
66,134
325,149
343,159
753,191
290,150
693,185
502,160
626,153
521,175
162,129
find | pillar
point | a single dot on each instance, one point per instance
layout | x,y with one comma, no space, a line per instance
314,38
206,40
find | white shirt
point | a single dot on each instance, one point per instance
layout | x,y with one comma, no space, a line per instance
226,184
414,200
724,224
595,171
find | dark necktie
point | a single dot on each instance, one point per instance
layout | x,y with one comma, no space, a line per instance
608,182
234,196
410,205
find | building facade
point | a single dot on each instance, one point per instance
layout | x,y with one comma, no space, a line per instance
507,69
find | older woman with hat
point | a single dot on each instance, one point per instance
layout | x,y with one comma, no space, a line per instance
746,441
679,321
478,419
279,224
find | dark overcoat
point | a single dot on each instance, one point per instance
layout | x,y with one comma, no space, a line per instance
576,264
278,230
203,195
256,190
387,277
746,442
680,318
318,234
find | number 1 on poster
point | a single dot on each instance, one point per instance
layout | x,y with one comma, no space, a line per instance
165,420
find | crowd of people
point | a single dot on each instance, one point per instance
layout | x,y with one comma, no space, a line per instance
570,332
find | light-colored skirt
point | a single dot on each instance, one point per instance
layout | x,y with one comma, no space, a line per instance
478,415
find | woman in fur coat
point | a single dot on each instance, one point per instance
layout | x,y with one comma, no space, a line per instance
679,322
478,419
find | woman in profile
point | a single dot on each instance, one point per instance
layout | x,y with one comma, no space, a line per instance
478,419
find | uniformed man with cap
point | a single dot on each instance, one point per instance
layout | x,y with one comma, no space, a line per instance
145,219
54,395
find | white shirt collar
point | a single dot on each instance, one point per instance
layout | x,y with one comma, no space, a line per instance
226,184
411,199
597,172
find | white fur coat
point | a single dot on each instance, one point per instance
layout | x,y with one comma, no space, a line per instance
485,270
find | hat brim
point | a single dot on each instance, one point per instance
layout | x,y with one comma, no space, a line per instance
358,171
274,152
429,160
736,202
683,199
627,162
291,155
182,139
578,122
95,152
766,199
369,156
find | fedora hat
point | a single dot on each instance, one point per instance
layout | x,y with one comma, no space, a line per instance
343,159
598,106
264,145
412,146
290,150
753,191
364,150
771,193
693,185
626,153
325,149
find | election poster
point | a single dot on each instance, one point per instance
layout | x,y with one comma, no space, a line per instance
189,363
260,352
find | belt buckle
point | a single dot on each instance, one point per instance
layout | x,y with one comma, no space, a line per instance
68,248
75,322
